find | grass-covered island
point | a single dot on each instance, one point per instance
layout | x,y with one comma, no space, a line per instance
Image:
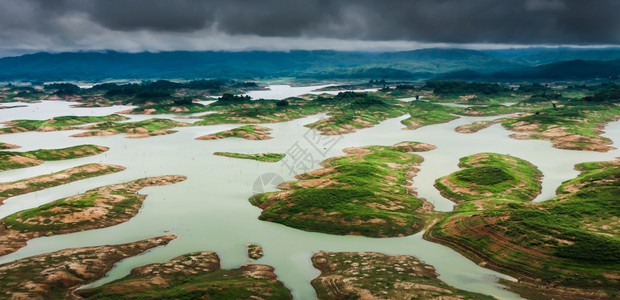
365,192
19,187
193,276
56,275
56,123
490,176
264,157
567,247
6,146
573,125
139,129
97,208
370,275
248,132
14,160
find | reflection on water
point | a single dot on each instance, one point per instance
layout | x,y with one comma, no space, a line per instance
210,211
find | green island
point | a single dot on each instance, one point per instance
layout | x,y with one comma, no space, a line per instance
6,146
570,118
248,132
14,160
365,192
28,185
573,126
422,113
232,109
566,247
350,111
97,208
370,275
477,126
57,123
195,275
139,129
491,176
58,274
265,157
254,251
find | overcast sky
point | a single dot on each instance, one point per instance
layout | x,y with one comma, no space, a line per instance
157,25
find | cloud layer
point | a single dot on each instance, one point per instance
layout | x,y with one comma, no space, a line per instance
137,25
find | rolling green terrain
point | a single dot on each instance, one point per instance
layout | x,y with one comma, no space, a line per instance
139,129
365,192
55,275
28,185
97,208
422,113
565,247
15,160
193,276
357,275
491,176
265,157
575,126
57,123
5,146
248,132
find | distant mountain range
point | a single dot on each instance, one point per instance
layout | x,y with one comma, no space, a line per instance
505,64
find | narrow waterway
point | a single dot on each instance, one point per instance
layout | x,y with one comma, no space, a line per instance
210,211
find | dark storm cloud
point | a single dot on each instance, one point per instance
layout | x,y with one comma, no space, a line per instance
137,25
179,15
446,21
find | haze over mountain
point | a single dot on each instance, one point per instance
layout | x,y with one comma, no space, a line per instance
407,65
107,39
30,26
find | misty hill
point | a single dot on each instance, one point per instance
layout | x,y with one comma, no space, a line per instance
565,70
417,64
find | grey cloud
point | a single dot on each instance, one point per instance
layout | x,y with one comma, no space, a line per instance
158,15
191,24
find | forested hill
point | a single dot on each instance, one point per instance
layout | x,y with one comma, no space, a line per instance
529,63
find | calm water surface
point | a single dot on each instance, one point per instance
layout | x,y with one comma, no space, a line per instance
210,211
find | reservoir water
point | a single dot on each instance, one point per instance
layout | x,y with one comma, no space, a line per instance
210,210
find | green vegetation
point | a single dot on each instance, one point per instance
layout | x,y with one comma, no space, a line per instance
248,132
565,247
260,111
97,208
193,276
265,157
462,88
356,275
5,146
575,125
350,111
366,192
57,123
15,160
28,185
487,176
55,275
145,128
185,105
424,113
